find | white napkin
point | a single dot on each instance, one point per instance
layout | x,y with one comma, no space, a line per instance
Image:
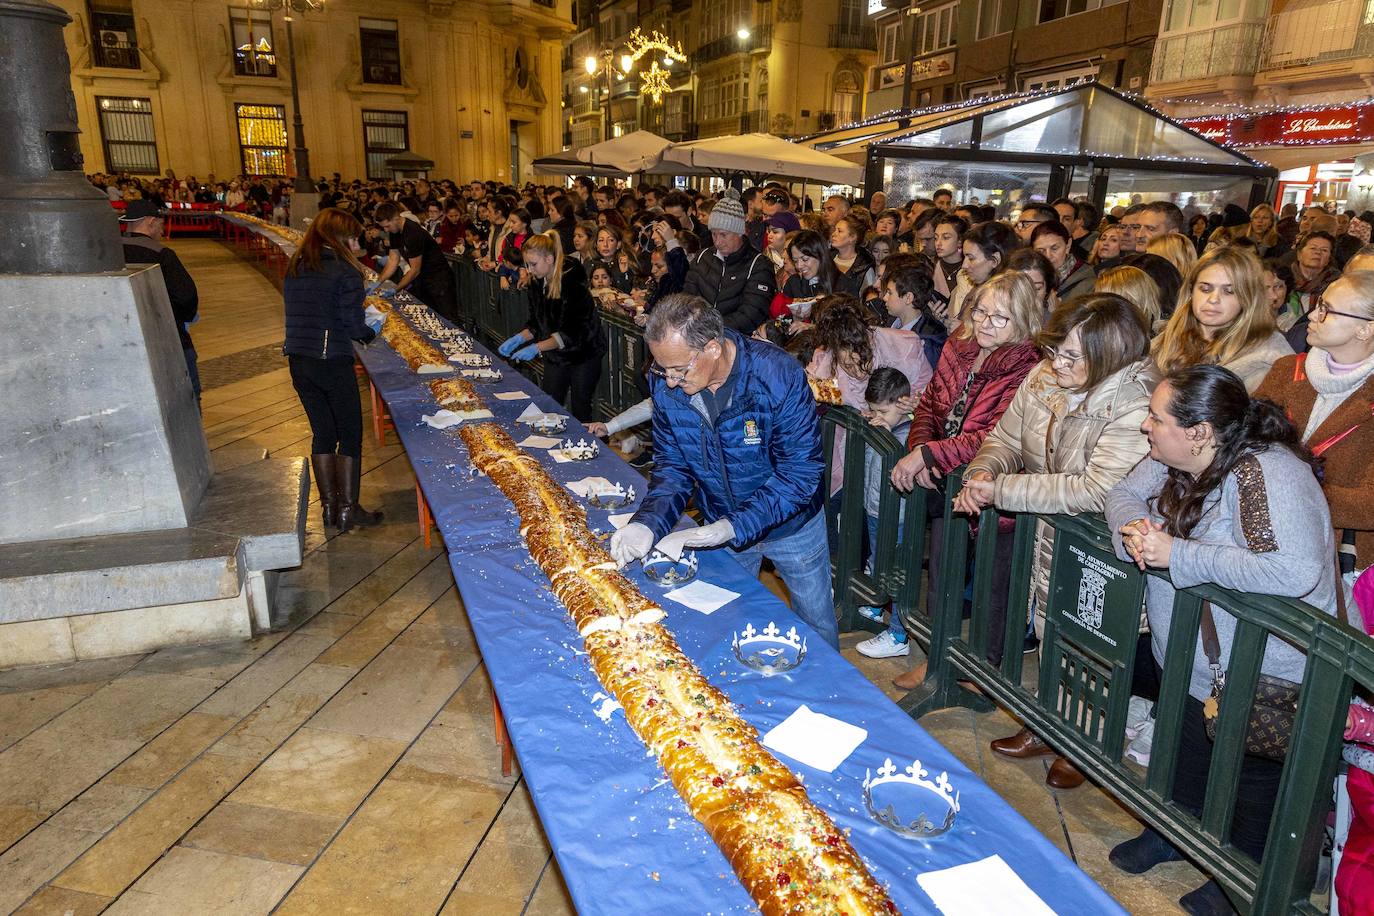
513,396
702,596
538,442
620,520
590,486
372,313
815,739
443,419
432,369
558,456
987,887
528,414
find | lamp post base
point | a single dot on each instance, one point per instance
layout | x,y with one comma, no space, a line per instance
305,204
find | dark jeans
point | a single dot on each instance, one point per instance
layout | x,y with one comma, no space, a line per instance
1001,580
328,390
579,378
1259,776
192,369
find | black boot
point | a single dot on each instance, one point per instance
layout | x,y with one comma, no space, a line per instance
1136,857
348,474
323,467
1207,900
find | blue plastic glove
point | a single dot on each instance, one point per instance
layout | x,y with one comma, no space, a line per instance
511,345
388,293
525,353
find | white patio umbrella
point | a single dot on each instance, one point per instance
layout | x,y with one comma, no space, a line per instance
758,157
635,152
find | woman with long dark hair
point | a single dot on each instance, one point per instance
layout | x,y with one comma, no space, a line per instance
1227,496
323,294
563,326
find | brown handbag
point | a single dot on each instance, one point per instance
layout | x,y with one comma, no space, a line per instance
1270,727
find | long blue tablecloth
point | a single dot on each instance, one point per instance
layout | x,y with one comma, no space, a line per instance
623,837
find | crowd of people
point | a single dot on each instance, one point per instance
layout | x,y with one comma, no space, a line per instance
1204,379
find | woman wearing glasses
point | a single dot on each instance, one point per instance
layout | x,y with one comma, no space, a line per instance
1328,392
1070,433
976,377
1223,317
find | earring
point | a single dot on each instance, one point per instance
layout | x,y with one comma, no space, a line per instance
1196,449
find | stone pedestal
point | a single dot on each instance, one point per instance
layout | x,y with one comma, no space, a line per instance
102,434
304,208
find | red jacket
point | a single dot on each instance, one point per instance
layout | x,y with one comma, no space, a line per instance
988,397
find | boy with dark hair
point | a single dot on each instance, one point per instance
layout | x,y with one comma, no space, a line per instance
906,294
887,396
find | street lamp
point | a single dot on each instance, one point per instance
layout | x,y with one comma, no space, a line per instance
605,61
303,184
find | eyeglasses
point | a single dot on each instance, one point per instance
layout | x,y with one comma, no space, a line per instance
994,320
675,375
1070,359
1023,223
1323,308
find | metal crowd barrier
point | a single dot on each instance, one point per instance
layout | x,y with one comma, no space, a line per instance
1079,695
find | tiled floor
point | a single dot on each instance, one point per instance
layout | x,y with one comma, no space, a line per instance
345,764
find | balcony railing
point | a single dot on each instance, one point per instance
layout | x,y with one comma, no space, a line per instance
1293,42
830,120
863,38
121,54
754,122
255,63
760,39
1230,51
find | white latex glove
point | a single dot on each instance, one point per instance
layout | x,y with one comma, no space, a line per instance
631,543
712,535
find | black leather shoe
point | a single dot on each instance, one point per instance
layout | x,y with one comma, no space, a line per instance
1136,857
1208,900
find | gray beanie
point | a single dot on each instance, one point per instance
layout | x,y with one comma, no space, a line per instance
728,214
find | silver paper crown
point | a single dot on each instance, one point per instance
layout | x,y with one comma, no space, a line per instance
475,360
581,450
482,375
549,423
661,569
766,650
615,498
923,826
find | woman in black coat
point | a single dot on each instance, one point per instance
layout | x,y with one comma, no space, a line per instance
563,327
323,293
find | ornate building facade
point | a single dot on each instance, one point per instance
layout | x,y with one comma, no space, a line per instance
201,87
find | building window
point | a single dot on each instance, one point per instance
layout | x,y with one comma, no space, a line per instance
254,52
935,29
126,131
381,47
262,138
1059,79
995,17
887,48
385,133
852,16
115,42
1184,15
1058,9
720,96
723,18
677,113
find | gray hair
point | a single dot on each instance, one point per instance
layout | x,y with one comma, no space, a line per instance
692,317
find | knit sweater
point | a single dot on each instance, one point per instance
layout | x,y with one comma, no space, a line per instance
1332,388
1267,532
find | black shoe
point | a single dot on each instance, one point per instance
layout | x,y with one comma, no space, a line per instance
1136,857
1208,900
643,461
1031,644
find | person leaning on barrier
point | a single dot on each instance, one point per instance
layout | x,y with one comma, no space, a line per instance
1070,433
1226,497
563,326
1328,393
735,428
323,297
976,378
1223,317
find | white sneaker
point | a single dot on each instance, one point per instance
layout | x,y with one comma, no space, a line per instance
1137,714
1139,748
884,645
872,613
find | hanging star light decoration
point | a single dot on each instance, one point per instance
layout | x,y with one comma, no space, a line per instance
654,82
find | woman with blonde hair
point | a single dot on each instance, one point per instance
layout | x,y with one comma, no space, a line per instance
1223,318
1262,230
563,326
1175,248
1135,286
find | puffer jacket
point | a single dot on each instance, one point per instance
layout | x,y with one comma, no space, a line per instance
740,286
324,310
572,316
1049,459
989,394
759,464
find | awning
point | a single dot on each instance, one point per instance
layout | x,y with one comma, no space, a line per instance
1296,157
407,161
758,157
635,152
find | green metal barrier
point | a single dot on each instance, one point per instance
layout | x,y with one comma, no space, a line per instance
1080,692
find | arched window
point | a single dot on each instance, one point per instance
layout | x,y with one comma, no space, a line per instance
848,84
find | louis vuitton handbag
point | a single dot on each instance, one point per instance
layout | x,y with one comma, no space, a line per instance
1270,727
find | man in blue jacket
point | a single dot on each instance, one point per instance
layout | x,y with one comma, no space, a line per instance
735,426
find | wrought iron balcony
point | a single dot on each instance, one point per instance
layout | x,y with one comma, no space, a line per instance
121,54
862,38
760,39
754,122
